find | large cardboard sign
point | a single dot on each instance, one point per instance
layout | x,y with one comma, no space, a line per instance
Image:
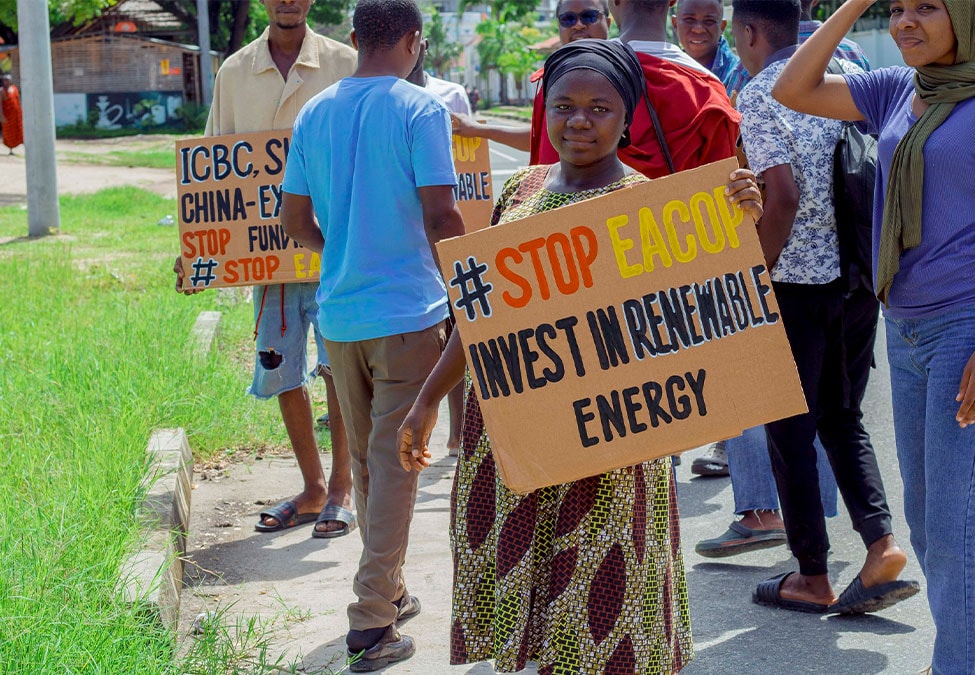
230,232
474,192
619,329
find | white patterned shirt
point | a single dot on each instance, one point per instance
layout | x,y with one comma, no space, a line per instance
774,135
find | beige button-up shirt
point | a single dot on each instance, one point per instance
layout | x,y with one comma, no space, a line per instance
249,93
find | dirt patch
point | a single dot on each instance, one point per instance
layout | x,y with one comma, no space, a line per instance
82,178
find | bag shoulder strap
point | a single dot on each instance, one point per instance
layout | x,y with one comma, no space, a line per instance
658,129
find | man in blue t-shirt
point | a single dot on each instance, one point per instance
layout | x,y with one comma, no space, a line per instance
371,160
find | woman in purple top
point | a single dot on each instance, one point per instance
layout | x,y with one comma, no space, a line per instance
924,262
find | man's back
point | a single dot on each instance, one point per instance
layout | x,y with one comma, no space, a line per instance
774,135
360,150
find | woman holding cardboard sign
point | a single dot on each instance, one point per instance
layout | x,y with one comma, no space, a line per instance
924,254
585,576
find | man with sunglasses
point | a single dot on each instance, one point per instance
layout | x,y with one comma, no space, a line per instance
576,20
697,121
579,19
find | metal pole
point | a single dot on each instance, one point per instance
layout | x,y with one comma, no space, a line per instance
206,65
37,93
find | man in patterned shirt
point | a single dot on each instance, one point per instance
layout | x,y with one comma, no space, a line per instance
793,154
848,50
760,525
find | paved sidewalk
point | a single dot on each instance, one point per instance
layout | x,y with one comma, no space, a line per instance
301,586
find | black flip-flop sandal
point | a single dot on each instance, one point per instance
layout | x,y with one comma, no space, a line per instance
286,513
336,513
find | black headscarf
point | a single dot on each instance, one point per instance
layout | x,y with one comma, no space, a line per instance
613,60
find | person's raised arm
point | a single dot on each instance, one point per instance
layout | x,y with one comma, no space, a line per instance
298,219
518,137
804,84
441,217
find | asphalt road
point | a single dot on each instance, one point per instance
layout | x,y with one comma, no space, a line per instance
504,162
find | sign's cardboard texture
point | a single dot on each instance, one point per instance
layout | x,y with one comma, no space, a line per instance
474,192
619,329
229,191
230,232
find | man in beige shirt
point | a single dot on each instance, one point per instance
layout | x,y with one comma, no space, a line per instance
262,87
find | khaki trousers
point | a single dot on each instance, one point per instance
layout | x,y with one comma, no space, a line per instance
377,382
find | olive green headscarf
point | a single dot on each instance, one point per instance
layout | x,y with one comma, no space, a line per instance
942,87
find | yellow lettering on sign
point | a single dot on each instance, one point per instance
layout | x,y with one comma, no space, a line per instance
731,216
312,269
621,246
708,222
465,149
649,230
680,208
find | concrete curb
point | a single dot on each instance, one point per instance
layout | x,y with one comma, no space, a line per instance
152,576
205,332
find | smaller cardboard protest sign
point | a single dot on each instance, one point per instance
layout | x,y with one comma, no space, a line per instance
620,329
474,192
230,232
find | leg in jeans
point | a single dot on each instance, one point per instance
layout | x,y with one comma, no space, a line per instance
937,460
282,315
756,497
385,374
752,481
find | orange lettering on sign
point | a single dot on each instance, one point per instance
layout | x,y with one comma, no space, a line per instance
565,260
251,269
205,242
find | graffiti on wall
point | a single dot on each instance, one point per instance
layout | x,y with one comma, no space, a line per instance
146,109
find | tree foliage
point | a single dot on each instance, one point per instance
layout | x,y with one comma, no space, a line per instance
504,47
442,51
519,61
233,23
75,11
504,10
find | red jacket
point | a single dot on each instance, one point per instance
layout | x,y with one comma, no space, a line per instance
698,121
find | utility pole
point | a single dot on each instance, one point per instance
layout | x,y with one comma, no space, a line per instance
37,92
206,65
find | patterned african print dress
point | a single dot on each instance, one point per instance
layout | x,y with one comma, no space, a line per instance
584,577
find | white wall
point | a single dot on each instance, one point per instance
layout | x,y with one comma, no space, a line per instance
879,47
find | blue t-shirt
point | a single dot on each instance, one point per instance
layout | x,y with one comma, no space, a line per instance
360,150
938,275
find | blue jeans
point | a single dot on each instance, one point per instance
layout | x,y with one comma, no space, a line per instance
752,481
937,463
282,315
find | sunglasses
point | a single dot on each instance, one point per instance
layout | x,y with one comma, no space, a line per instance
587,17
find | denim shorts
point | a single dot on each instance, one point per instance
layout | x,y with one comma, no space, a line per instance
282,315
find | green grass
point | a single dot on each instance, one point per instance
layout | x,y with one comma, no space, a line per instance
94,343
153,158
521,112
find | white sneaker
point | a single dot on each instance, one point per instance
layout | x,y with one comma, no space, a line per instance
714,462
